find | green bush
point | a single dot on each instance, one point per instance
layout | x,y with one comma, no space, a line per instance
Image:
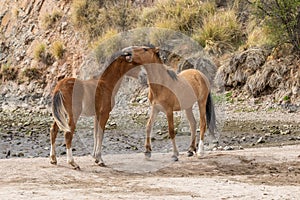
282,18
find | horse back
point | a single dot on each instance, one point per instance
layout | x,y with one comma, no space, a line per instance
197,80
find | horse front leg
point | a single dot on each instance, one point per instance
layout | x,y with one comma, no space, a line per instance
172,135
149,128
96,125
192,122
53,134
102,119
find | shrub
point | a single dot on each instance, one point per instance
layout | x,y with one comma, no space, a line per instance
32,73
57,49
178,15
8,72
257,35
282,18
49,20
41,55
96,17
220,27
40,52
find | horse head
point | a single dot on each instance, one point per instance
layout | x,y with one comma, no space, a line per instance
143,54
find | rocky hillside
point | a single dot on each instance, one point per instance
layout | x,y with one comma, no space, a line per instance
40,45
29,31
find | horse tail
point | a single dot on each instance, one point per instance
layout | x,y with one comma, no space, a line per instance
211,115
59,112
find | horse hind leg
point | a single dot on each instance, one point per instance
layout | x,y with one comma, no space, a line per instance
53,134
68,140
193,123
200,151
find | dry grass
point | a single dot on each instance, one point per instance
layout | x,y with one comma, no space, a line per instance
96,17
221,26
49,20
40,52
57,49
32,73
178,15
8,72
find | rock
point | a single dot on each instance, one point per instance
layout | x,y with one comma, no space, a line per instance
285,132
228,148
260,140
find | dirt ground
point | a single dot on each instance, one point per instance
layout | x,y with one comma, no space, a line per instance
254,173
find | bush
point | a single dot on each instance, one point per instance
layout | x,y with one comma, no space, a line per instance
32,73
257,35
8,72
282,18
95,17
58,49
41,55
220,27
40,52
178,15
49,20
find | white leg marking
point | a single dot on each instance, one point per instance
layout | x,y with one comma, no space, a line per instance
52,150
200,151
70,158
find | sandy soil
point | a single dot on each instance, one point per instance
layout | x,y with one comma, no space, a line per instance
255,173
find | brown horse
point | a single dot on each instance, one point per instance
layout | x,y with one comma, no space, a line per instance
170,92
73,97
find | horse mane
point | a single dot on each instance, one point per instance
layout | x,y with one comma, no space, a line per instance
172,74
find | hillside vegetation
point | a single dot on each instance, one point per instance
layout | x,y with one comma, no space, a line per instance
53,38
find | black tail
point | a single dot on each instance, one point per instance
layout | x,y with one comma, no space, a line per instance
59,112
211,115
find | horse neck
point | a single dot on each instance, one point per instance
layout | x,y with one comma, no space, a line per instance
112,76
156,73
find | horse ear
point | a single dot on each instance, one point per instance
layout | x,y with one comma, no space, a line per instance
156,50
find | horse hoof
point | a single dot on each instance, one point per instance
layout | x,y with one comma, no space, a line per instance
148,154
200,155
174,158
76,168
101,164
190,153
53,160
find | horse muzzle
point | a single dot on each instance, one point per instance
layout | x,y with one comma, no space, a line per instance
128,56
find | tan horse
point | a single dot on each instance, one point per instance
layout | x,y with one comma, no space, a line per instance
73,97
170,92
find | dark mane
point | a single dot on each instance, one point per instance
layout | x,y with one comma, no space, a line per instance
172,74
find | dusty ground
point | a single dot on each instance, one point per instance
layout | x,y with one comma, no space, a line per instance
256,173
267,167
